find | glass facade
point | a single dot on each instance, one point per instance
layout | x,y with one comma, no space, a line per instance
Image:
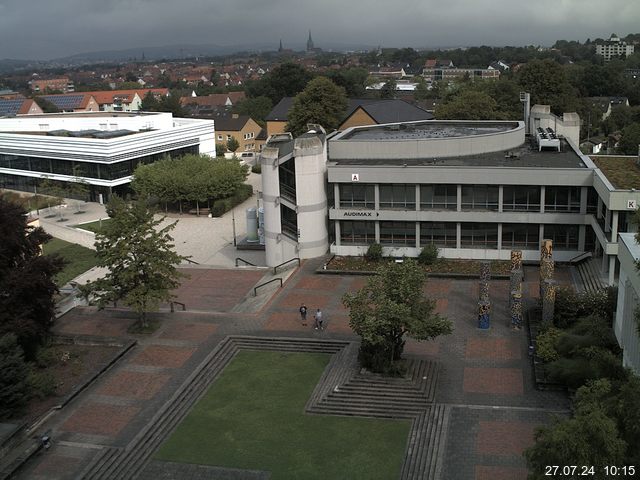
398,196
398,234
565,237
562,199
357,233
287,175
438,197
479,235
101,171
520,235
289,220
480,197
520,198
357,196
441,234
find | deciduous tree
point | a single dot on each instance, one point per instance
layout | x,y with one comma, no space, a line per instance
140,258
27,287
322,102
391,306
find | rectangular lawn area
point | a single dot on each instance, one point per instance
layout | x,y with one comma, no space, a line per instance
253,417
79,259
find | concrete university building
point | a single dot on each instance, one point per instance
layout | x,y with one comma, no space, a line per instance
476,189
102,149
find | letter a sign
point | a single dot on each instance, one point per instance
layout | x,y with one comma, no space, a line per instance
355,177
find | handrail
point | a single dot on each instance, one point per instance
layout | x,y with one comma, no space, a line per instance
255,290
582,256
243,260
191,261
284,263
184,307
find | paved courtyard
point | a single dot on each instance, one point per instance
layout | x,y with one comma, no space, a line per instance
485,377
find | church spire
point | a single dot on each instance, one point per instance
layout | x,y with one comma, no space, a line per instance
280,47
309,43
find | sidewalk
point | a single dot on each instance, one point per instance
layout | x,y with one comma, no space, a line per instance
207,241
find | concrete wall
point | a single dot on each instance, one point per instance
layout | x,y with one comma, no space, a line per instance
625,326
567,126
428,148
310,157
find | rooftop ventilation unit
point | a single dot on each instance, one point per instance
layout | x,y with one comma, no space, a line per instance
547,139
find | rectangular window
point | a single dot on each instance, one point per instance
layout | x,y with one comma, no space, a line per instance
520,235
438,197
441,234
479,235
479,197
565,237
399,197
357,233
562,199
287,174
289,220
398,234
357,196
520,198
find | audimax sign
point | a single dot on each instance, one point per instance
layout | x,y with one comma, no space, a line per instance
359,213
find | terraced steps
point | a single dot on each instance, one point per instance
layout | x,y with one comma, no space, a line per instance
342,390
590,276
425,451
127,463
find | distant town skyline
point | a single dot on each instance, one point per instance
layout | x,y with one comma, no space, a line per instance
67,27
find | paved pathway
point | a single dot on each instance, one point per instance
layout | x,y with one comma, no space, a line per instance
485,379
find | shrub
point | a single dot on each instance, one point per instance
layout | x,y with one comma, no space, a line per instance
374,252
46,357
571,306
257,168
545,344
428,255
223,205
41,383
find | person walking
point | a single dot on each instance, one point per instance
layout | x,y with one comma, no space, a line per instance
303,314
318,318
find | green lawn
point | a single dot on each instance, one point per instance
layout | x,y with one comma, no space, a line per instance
93,226
253,417
79,259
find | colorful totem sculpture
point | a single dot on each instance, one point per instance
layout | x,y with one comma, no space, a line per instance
484,304
548,301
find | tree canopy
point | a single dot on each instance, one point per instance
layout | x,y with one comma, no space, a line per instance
140,259
603,430
322,102
547,82
27,307
286,80
391,305
191,178
630,140
13,377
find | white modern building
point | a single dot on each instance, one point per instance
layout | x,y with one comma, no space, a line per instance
625,326
102,149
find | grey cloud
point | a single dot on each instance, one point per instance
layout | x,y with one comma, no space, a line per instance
57,28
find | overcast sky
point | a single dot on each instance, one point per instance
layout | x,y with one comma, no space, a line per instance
45,29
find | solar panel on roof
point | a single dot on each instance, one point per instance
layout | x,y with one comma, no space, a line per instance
10,107
66,102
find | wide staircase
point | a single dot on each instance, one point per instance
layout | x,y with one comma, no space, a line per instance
343,390
589,272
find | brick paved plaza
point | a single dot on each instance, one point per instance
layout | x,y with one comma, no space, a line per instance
485,377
